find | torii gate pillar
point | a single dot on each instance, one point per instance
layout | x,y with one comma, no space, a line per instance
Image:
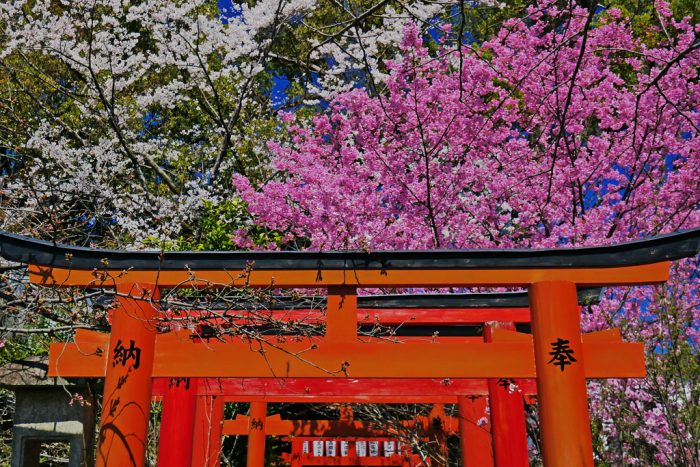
177,423
257,434
209,421
474,432
561,384
127,393
507,415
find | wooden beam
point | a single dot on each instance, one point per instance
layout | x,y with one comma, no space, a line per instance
320,278
275,426
352,390
370,316
177,356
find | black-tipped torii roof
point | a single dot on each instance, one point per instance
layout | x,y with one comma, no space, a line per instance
656,249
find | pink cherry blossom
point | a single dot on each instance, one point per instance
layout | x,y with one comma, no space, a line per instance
541,137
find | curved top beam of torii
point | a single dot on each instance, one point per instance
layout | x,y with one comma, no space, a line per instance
660,248
53,264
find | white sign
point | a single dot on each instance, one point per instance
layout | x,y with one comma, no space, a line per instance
361,448
330,448
389,448
305,447
318,448
373,448
345,448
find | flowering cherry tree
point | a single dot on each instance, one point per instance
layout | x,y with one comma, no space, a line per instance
539,137
123,121
564,129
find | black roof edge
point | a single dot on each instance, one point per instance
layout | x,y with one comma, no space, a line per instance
660,248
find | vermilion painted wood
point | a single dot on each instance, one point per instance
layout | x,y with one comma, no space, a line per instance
209,415
509,434
369,316
475,432
295,360
275,426
177,423
257,431
321,278
341,315
330,390
127,388
563,402
97,341
416,360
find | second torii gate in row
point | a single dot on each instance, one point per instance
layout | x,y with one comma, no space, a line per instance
415,314
551,276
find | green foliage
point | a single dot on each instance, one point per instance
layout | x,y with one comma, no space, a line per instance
18,348
645,21
218,221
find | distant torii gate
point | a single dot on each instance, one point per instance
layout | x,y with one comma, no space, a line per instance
344,428
412,312
561,358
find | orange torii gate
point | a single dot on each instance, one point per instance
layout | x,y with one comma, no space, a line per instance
209,429
562,359
412,313
346,429
512,449
307,390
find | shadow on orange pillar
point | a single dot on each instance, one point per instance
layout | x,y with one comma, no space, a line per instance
208,429
256,434
561,385
509,433
474,432
438,426
177,423
127,393
297,452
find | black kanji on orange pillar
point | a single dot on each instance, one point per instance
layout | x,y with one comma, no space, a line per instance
176,382
561,353
122,354
507,383
256,424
